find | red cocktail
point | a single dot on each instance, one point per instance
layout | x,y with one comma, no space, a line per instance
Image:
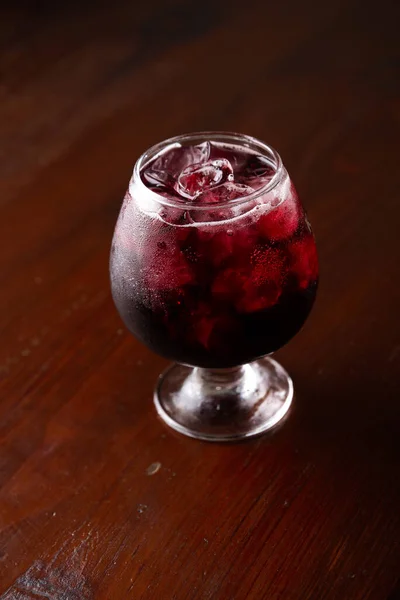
214,265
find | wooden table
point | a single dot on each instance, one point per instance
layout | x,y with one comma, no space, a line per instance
99,500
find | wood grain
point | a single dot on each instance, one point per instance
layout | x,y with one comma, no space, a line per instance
99,500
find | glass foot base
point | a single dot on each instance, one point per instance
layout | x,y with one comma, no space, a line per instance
224,404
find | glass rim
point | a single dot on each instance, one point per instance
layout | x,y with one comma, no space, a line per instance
240,138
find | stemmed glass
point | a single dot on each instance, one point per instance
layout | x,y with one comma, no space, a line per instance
214,266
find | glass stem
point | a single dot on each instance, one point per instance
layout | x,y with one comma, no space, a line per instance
220,379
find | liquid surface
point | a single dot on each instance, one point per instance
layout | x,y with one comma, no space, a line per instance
207,172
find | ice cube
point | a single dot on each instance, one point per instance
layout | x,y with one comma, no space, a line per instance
256,172
166,168
236,157
197,178
161,182
223,193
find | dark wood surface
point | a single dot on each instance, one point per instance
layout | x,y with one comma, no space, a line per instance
311,511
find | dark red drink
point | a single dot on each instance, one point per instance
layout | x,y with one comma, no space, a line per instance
213,260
